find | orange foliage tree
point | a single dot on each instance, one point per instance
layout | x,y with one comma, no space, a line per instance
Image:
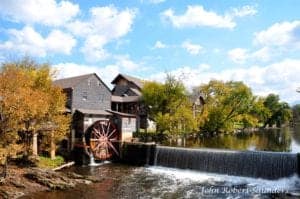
29,103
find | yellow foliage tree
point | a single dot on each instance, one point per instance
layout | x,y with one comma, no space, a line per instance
29,103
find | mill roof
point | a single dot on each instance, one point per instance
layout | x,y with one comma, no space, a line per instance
134,80
71,82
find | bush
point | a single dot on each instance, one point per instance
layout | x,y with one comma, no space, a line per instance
150,136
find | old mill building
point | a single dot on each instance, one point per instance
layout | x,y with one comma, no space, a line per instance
89,100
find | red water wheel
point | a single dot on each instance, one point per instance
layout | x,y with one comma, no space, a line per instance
104,140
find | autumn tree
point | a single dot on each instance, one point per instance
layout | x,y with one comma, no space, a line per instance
169,106
29,104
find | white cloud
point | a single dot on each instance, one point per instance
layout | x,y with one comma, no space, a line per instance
28,41
197,16
159,45
156,1
243,11
280,78
285,34
241,55
193,49
93,48
263,54
106,24
238,55
122,64
46,12
125,63
275,40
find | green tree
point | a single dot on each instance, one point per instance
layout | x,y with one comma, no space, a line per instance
169,106
280,112
296,112
260,111
226,104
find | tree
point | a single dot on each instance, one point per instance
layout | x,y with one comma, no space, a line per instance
296,112
280,112
29,103
226,104
260,111
169,106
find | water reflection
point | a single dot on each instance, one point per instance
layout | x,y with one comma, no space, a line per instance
279,140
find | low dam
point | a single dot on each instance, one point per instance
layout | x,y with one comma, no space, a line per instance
256,164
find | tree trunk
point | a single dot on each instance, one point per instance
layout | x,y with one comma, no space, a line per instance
52,146
5,167
34,144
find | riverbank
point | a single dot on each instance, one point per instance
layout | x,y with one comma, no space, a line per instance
22,181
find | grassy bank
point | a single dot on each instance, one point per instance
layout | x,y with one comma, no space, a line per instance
47,163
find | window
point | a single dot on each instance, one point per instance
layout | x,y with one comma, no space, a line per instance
89,82
84,96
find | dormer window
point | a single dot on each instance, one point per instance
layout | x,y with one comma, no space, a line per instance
84,96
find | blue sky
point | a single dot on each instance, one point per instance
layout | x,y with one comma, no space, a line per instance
257,42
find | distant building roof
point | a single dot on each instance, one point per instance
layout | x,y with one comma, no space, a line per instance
134,80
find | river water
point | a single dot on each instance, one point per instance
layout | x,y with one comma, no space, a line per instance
122,181
278,140
127,182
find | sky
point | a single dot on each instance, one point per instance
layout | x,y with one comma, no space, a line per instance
257,41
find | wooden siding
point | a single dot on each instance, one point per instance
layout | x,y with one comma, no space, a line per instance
92,94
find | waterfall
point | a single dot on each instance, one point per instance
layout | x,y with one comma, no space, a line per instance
268,165
92,161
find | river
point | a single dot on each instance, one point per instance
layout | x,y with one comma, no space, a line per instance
278,140
122,181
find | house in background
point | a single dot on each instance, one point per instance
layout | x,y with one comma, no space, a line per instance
88,98
127,96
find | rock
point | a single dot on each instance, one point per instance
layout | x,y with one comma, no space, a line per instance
74,175
10,194
78,177
57,180
51,179
18,184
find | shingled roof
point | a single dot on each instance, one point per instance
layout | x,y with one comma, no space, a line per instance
71,82
134,80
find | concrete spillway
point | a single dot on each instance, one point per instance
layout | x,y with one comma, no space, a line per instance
258,164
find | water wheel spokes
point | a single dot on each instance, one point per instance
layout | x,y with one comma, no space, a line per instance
103,136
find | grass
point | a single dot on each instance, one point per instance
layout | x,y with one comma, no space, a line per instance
47,163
